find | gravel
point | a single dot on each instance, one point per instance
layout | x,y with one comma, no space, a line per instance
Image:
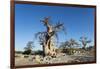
61,58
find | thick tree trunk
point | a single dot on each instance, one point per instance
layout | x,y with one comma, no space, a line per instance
44,51
47,46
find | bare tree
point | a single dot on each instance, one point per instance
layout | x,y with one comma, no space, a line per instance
84,41
69,44
29,47
45,38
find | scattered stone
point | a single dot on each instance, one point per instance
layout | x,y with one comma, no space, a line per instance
47,59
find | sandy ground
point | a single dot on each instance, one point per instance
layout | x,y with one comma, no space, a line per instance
59,59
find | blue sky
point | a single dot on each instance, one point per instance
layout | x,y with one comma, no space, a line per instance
77,21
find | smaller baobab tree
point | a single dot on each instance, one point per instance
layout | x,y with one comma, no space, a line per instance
28,48
69,45
84,40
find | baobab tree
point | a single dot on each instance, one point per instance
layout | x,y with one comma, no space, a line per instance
84,40
47,37
28,48
69,45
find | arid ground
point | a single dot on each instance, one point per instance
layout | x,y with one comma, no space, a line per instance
61,58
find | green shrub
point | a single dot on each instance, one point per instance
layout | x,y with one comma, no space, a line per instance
26,56
39,52
27,52
69,51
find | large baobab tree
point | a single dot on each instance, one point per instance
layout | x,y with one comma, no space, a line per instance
84,40
47,37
